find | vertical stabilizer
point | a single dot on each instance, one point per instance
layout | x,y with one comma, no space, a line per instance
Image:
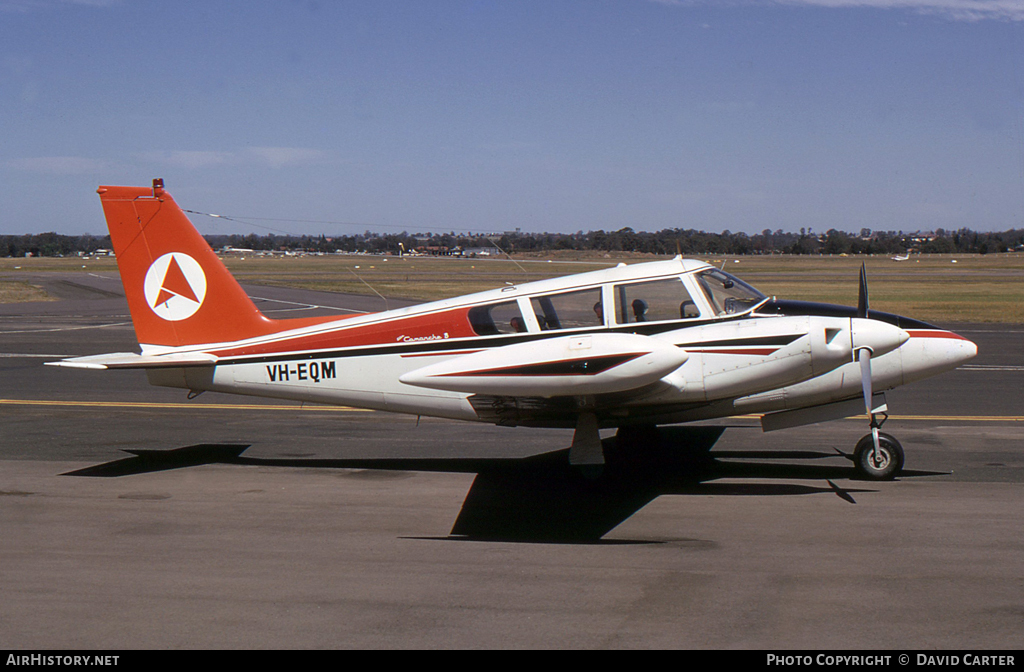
178,291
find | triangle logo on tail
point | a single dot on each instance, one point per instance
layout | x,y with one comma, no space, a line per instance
175,286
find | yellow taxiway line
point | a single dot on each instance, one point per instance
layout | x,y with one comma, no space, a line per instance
954,418
924,418
349,409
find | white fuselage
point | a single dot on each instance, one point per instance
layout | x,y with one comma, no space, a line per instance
441,359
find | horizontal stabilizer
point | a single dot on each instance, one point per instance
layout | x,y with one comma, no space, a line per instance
131,360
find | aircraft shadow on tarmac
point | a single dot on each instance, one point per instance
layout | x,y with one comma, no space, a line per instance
543,498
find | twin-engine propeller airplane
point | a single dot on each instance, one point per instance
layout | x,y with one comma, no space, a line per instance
631,347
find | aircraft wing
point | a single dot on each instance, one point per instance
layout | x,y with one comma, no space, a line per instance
131,360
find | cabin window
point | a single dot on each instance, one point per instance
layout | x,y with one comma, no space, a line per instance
570,310
653,301
497,318
726,293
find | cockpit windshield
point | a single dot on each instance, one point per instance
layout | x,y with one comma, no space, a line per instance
726,293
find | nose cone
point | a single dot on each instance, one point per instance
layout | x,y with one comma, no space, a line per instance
958,349
880,337
966,349
932,351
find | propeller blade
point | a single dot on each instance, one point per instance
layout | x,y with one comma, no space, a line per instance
864,358
843,494
848,456
862,296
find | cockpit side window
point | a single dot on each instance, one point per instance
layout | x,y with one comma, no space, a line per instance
653,301
497,318
727,294
569,310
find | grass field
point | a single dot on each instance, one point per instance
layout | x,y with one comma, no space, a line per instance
21,292
940,288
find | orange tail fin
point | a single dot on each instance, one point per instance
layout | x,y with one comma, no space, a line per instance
178,291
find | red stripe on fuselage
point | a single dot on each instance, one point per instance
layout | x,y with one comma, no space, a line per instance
730,351
446,353
427,328
934,333
415,329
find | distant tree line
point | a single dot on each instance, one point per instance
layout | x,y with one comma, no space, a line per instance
689,242
51,245
666,241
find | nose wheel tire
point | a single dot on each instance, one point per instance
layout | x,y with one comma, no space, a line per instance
884,466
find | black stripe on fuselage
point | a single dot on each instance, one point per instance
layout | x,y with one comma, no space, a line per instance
791,308
587,366
448,345
441,347
784,339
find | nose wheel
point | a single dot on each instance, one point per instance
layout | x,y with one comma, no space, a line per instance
882,464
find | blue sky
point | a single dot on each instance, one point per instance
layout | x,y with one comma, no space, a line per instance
556,115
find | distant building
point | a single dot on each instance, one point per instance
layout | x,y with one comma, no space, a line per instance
481,252
436,250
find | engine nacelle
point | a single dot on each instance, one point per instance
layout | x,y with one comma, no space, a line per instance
738,358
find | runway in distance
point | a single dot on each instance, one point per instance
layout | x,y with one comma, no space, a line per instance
632,347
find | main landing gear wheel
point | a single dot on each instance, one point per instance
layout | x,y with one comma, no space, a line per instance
884,466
